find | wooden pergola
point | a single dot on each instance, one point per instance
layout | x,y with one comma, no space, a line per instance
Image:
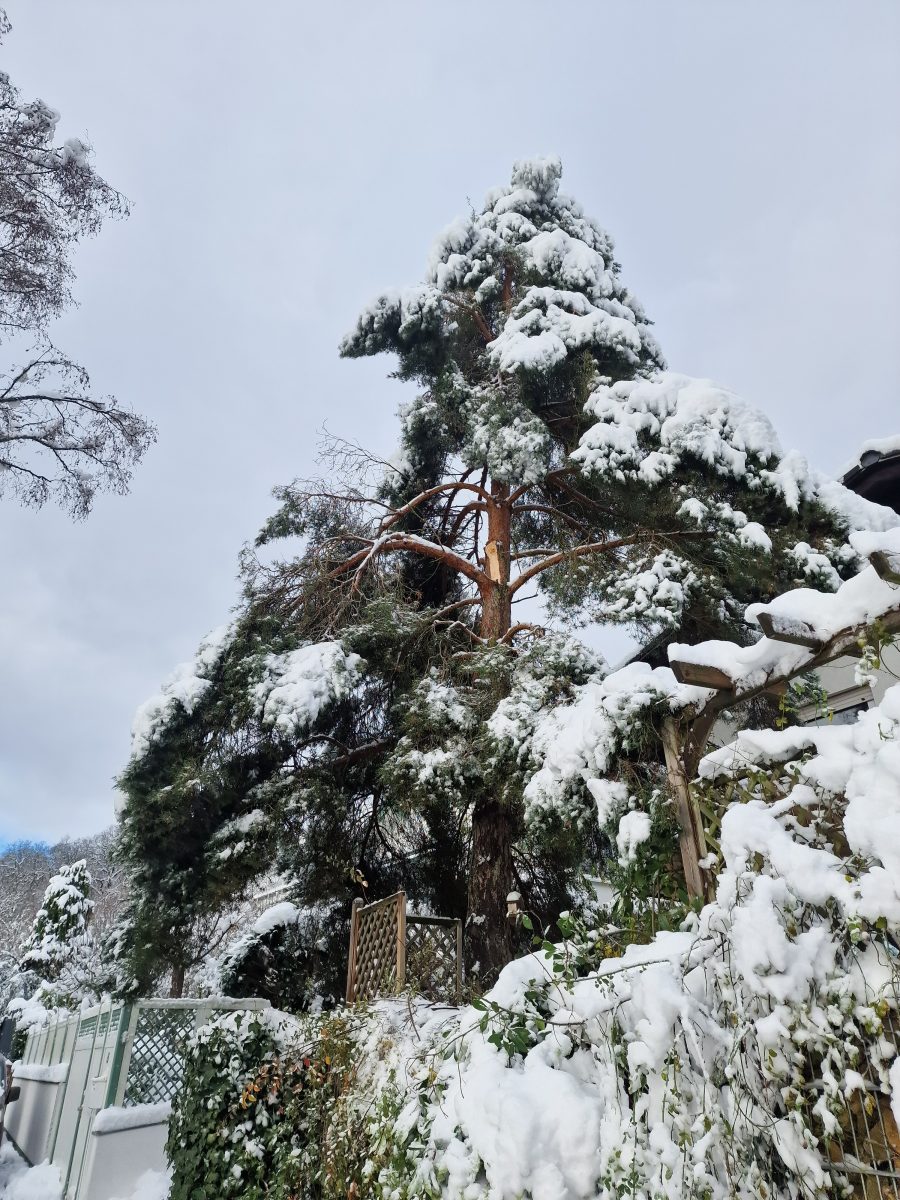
685,735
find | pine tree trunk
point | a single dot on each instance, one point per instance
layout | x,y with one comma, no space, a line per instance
176,990
489,943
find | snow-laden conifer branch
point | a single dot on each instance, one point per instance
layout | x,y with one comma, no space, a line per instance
607,547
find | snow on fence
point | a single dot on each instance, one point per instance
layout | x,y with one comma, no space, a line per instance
122,1060
390,948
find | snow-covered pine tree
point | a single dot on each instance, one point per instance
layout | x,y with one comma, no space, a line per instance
371,712
548,448
61,950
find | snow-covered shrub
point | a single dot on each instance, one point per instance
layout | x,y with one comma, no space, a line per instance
750,1055
283,957
212,1143
286,1108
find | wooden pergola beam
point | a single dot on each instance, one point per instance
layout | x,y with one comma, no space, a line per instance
685,741
846,641
701,675
789,629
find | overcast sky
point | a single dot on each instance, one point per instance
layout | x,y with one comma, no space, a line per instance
287,160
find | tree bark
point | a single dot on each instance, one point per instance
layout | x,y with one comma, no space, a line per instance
489,942
176,990
496,601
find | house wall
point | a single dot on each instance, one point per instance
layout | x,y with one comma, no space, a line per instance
838,680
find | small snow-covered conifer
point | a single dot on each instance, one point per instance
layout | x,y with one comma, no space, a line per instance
61,950
61,926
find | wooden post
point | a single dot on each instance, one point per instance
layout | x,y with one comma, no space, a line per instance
691,837
351,960
401,941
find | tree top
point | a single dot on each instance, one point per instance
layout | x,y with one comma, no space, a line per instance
520,287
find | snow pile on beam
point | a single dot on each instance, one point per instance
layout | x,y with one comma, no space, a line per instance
802,621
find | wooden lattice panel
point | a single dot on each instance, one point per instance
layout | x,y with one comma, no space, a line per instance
711,816
389,950
377,948
866,1150
433,957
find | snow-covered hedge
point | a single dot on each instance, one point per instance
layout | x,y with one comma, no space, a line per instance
284,1108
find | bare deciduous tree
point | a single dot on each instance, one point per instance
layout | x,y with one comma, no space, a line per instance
56,440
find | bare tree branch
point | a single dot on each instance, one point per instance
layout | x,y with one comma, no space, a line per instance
58,441
561,556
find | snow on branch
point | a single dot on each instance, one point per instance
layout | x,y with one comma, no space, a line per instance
535,279
647,428
181,692
297,687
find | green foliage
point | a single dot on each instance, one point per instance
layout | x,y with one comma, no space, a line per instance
650,892
216,1146
259,1119
801,693
295,965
